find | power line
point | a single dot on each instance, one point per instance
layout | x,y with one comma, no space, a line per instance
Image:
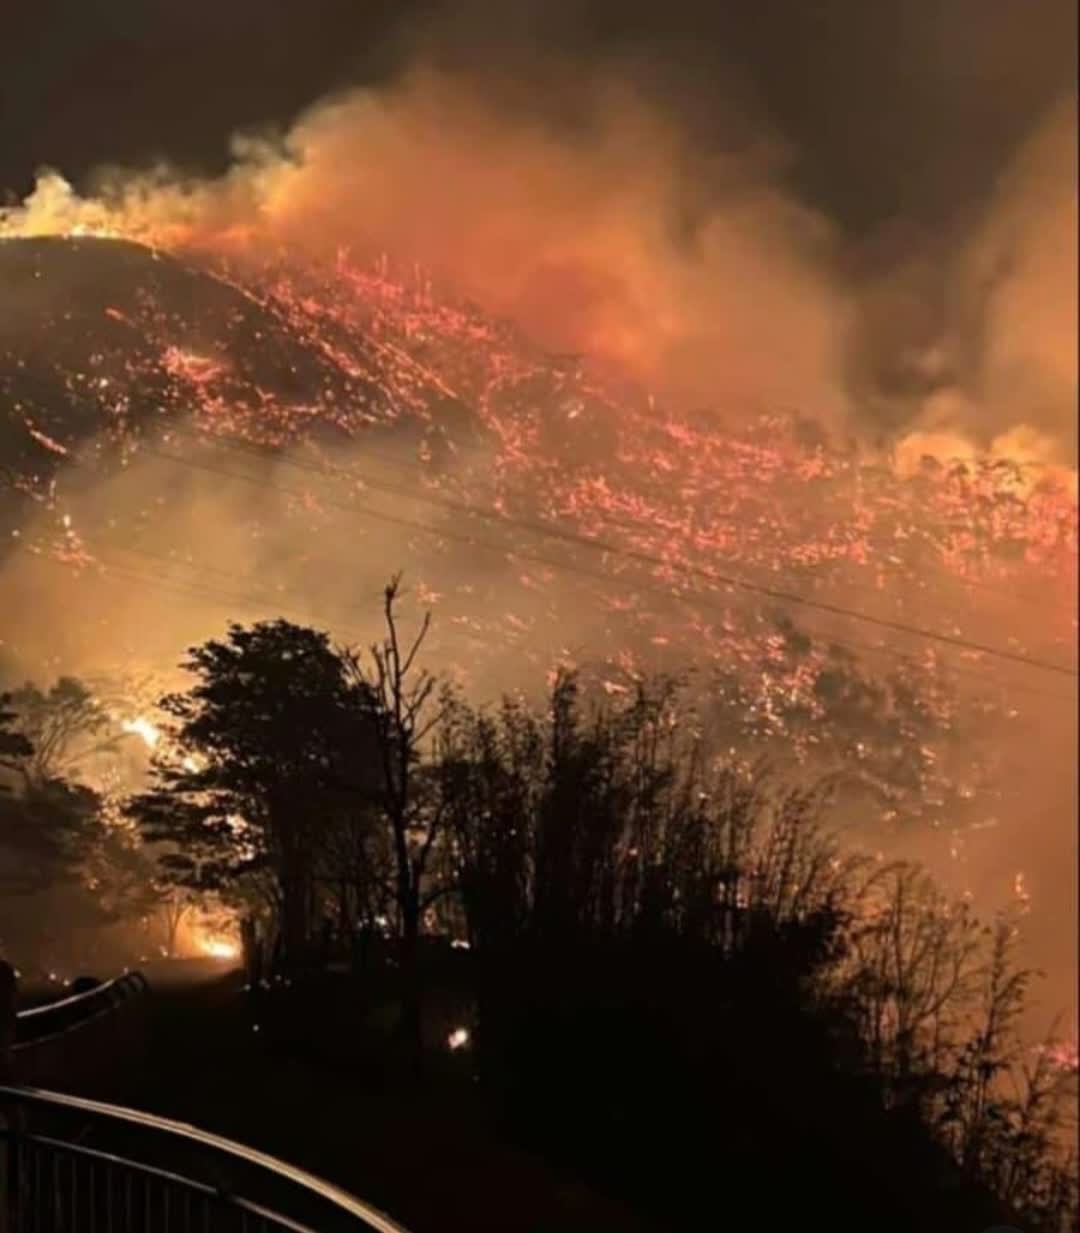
640,557
607,519
275,600
191,589
258,601
535,528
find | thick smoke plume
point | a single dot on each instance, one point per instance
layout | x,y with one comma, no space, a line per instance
614,242
1005,369
700,275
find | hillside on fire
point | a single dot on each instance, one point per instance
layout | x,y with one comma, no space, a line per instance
538,643
677,884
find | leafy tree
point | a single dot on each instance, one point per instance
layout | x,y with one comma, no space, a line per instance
15,749
630,897
260,752
63,831
65,725
46,822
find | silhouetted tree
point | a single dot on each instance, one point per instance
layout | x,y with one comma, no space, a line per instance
256,760
15,749
65,725
46,822
406,708
655,927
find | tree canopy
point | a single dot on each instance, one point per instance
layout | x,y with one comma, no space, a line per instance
261,752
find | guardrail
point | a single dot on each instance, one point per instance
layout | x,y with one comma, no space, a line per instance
84,1041
40,1023
72,1165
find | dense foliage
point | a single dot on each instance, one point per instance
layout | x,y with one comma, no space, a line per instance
651,927
670,956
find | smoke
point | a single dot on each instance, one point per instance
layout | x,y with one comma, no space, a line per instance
696,269
1005,371
1019,290
700,270
701,278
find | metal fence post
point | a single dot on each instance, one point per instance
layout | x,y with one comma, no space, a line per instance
9,1173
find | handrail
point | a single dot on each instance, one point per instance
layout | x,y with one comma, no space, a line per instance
192,1136
84,997
71,1013
163,1175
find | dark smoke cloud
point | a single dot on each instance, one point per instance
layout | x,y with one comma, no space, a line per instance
903,108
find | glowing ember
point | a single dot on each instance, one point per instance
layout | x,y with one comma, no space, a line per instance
1063,1055
141,727
198,370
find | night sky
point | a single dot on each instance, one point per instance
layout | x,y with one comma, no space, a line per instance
888,110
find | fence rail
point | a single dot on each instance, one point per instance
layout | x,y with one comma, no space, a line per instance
71,1165
85,1042
41,1023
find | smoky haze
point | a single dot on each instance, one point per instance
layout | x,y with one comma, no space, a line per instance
865,213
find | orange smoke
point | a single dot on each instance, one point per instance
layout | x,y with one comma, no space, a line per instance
702,277
584,242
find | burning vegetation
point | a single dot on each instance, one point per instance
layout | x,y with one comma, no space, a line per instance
189,440
195,434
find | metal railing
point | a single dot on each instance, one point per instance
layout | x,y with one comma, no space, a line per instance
41,1023
70,1165
85,1041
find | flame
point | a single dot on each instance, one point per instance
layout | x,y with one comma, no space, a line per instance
458,1038
678,497
197,370
215,943
141,727
220,948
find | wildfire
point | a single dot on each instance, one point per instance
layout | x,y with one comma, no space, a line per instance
151,736
219,948
1062,1055
607,510
142,727
197,370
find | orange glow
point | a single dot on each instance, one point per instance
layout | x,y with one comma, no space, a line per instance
199,370
220,948
142,727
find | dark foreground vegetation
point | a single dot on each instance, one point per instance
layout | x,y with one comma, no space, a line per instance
584,932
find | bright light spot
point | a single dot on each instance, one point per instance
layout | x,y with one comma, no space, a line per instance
458,1038
1021,892
1062,1055
220,948
142,727
198,370
459,944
